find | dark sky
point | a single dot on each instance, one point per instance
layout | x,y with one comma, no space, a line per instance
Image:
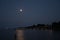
34,12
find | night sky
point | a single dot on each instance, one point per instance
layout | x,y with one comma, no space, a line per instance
34,12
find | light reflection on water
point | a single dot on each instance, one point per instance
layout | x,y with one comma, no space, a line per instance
30,35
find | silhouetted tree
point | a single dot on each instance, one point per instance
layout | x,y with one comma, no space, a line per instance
38,25
59,22
34,26
42,24
56,26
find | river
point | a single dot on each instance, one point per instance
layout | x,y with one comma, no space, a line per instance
30,35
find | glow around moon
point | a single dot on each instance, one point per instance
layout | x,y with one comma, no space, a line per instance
21,10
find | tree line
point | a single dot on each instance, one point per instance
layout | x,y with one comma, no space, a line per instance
53,26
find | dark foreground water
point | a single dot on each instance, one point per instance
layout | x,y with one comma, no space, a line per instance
41,35
30,35
7,34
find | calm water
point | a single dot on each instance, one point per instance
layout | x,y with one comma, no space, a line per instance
30,35
7,34
38,35
41,35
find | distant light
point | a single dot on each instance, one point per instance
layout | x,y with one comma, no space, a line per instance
20,10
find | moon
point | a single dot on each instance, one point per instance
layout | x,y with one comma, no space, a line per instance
21,10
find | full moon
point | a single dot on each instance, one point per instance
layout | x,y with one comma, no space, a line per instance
20,10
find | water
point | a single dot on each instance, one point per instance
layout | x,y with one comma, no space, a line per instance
30,35
7,34
41,35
